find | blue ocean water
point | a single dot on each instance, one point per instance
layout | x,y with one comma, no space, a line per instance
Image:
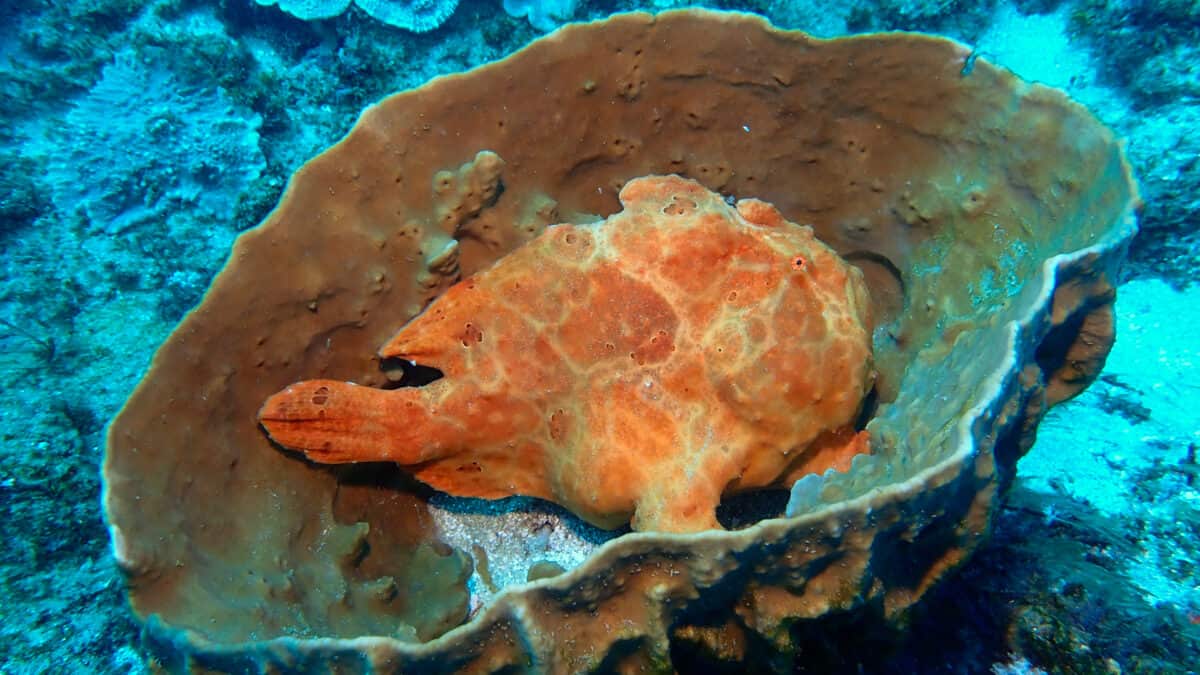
141,138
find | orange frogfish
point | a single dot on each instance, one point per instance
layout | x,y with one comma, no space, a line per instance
631,370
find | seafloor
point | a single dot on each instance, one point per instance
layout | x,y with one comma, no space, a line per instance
140,137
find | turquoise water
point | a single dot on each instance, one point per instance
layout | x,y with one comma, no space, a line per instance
141,138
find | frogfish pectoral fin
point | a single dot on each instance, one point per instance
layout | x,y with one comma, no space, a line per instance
834,449
337,422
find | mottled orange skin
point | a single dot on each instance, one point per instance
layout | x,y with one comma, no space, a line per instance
638,368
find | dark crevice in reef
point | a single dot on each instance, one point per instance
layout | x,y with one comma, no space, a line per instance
746,509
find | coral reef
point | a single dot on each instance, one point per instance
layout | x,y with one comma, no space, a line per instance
203,139
545,15
416,15
988,278
680,350
1148,52
82,312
